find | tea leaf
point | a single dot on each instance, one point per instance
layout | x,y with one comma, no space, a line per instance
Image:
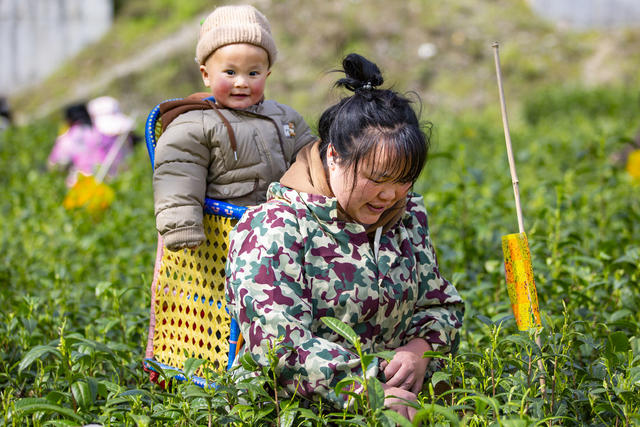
440,376
386,355
341,329
140,420
397,418
423,415
191,366
82,394
376,393
288,417
484,319
619,341
36,353
433,355
42,406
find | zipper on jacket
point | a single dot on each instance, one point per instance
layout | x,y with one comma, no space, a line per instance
277,126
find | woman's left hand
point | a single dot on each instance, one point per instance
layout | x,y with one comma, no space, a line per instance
407,368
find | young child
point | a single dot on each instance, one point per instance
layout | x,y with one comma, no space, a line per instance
230,147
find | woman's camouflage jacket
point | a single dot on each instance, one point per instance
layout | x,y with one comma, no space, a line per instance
291,262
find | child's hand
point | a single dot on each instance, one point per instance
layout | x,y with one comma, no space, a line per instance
179,247
192,245
407,368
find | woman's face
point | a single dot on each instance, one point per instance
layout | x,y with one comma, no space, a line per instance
371,194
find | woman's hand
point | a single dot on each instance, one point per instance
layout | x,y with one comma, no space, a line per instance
407,368
396,399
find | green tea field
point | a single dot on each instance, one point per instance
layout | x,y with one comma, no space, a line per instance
74,288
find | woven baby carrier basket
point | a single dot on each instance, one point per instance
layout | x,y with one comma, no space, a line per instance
188,316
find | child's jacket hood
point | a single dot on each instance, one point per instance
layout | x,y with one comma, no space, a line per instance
169,110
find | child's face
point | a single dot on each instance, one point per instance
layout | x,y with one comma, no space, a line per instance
236,74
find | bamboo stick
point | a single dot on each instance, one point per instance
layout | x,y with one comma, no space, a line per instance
507,137
516,192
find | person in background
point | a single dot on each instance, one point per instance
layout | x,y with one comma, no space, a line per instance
5,113
231,143
92,131
74,150
341,235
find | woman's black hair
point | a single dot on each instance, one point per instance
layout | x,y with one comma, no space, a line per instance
373,121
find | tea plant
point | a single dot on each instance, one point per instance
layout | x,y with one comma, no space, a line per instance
75,290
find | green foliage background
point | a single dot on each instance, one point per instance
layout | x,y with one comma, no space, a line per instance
74,290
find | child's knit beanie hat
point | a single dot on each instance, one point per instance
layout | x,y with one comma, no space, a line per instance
235,24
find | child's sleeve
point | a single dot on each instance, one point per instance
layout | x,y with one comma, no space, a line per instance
303,135
182,159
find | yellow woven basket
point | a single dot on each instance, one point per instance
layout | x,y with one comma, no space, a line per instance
188,316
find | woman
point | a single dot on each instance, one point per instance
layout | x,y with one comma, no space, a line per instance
76,149
341,236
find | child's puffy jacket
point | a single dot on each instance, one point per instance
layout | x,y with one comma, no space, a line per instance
196,157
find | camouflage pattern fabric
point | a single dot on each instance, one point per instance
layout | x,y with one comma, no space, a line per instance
291,262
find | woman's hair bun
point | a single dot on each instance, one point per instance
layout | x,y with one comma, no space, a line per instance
360,73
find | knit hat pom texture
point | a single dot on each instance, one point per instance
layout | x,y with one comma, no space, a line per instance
235,24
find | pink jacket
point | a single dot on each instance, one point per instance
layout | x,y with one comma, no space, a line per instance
82,148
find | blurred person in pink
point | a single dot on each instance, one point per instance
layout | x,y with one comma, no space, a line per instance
75,149
92,132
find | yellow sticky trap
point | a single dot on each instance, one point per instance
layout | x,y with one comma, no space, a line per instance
520,282
633,164
90,194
